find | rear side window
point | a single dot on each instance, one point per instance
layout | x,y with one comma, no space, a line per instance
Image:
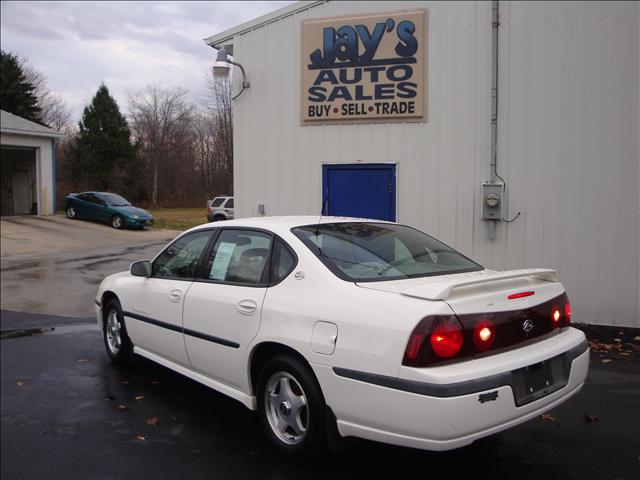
283,262
217,202
229,203
180,259
239,256
89,197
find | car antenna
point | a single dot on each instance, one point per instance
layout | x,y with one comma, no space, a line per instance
324,205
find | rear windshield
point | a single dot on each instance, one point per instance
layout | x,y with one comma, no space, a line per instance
217,202
366,252
115,200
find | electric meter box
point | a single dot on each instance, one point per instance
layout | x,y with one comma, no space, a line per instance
492,200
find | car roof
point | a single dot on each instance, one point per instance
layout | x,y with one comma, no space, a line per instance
288,221
99,193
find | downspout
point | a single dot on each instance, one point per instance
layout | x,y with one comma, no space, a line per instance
495,23
493,159
53,176
495,176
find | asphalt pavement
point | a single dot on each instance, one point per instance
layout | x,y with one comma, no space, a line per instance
54,265
67,412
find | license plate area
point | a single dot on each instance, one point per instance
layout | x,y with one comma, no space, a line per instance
539,380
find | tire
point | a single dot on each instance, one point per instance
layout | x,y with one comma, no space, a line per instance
114,333
117,222
292,419
219,218
71,212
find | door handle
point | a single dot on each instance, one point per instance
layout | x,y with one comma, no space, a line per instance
247,306
175,295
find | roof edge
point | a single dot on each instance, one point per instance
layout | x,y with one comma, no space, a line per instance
218,39
31,133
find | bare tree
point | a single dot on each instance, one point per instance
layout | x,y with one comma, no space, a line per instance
54,111
219,105
160,121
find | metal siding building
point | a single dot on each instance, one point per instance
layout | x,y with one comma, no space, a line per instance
568,137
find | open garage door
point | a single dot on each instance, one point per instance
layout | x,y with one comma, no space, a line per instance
18,193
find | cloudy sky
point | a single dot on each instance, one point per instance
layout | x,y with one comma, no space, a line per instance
127,45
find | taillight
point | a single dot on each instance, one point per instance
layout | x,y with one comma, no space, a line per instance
484,335
414,346
446,339
442,338
567,312
561,314
434,339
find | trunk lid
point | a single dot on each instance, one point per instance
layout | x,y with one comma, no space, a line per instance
483,298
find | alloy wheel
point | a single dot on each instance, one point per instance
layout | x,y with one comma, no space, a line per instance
286,408
113,331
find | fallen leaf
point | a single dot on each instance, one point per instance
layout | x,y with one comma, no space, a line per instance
19,384
141,437
546,416
153,421
590,418
110,398
125,382
82,360
626,354
173,418
617,340
139,397
606,360
154,382
121,408
637,338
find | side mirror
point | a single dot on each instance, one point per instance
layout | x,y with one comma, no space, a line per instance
141,268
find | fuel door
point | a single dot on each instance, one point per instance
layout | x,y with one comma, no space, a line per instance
324,337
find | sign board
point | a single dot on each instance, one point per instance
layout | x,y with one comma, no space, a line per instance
364,68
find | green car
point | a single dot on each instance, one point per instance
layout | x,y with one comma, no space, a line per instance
106,208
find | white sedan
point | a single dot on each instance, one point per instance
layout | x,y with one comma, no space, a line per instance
349,327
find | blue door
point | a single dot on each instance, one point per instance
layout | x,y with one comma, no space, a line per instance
365,190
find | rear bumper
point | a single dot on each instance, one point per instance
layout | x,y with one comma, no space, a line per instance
445,415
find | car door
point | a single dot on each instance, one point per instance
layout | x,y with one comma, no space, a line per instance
154,306
102,209
81,204
222,308
93,208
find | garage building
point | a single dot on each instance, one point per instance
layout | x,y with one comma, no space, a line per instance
509,130
27,160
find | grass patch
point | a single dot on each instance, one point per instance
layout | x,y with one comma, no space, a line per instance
178,218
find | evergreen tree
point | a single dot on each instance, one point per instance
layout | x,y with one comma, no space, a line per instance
16,93
103,150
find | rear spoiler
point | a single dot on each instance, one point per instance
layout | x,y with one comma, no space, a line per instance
443,289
